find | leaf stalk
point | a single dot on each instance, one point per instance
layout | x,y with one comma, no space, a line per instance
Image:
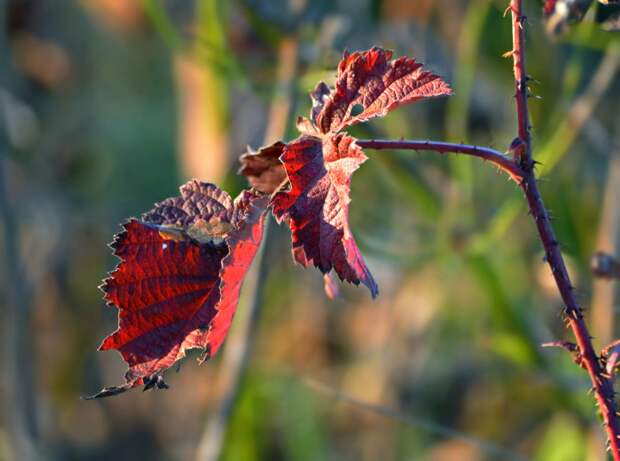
500,160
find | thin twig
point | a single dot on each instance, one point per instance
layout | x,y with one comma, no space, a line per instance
503,162
237,351
412,421
601,384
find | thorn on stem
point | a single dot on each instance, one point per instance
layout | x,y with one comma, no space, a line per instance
529,78
566,345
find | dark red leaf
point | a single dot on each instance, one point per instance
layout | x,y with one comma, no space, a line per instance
263,169
321,162
177,285
370,82
317,204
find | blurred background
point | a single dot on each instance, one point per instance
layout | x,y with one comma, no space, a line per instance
107,106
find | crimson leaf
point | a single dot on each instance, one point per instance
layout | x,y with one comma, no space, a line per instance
321,162
177,285
316,206
376,85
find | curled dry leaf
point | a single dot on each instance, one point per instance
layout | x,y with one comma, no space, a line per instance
177,285
263,168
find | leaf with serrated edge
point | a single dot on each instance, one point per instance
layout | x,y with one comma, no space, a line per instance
174,292
316,206
370,81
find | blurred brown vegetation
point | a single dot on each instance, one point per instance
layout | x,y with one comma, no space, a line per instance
107,105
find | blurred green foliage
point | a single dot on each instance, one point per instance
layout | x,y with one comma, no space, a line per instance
90,92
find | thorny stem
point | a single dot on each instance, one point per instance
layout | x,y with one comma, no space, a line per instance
521,169
601,383
498,159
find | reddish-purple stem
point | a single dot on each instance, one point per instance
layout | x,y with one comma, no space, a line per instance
498,159
601,382
521,169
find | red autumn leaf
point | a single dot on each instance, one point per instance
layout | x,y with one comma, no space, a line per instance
369,81
321,162
177,285
316,206
263,169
